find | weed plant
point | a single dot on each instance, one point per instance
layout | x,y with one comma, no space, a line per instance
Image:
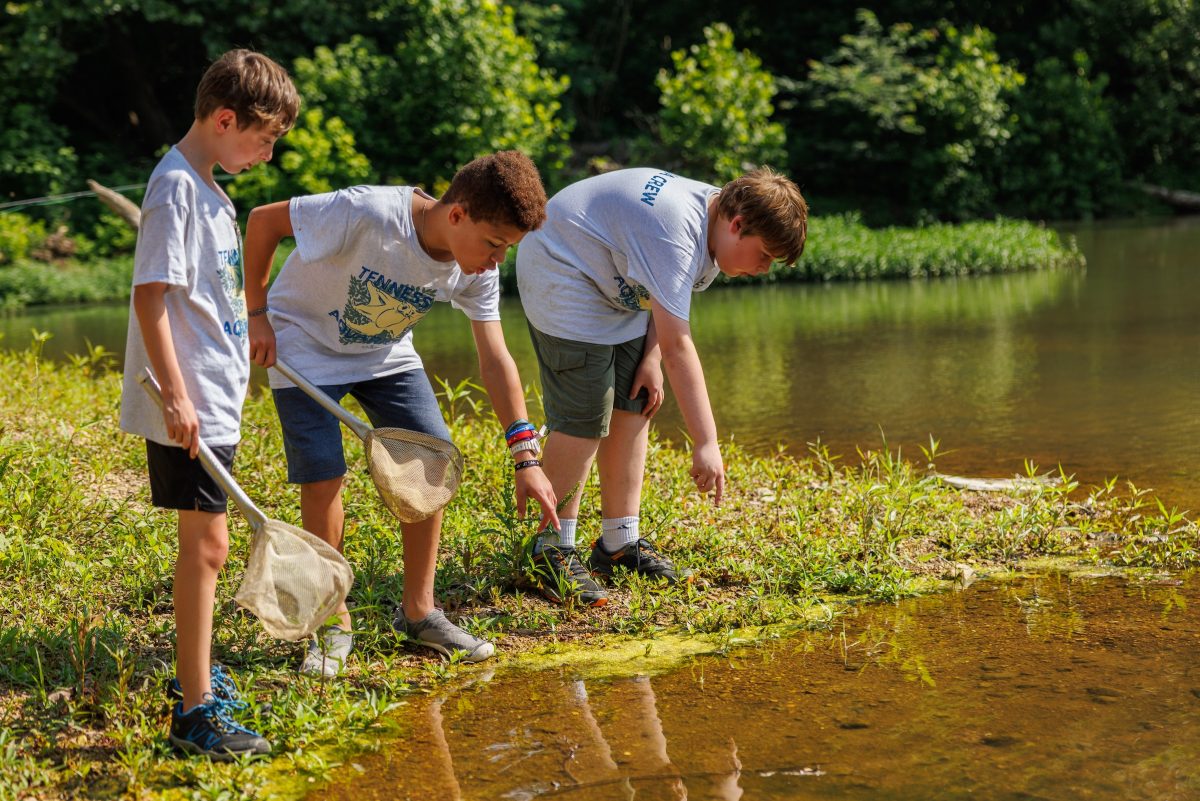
86,572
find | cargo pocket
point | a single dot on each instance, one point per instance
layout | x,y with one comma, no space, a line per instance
562,360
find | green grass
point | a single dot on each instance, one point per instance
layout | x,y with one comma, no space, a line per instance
840,248
86,571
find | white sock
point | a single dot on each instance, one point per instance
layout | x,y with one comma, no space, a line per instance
565,537
618,532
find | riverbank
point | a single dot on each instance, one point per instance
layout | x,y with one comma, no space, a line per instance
840,248
86,570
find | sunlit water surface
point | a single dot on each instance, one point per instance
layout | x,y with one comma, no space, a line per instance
1037,689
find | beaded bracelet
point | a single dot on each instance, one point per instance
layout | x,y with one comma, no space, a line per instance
256,312
527,463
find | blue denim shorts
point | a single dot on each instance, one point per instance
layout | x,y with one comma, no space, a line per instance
312,437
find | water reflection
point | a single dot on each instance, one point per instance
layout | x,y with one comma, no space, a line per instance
1052,688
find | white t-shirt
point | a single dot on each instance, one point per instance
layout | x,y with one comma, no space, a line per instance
188,239
344,303
611,243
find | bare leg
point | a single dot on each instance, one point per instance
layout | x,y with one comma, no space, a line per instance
321,511
420,562
622,464
566,461
203,546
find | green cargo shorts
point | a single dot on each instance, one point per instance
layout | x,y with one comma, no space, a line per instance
582,382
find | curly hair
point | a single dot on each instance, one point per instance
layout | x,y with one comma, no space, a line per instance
259,91
770,206
503,188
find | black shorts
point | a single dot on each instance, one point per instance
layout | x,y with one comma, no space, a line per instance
177,481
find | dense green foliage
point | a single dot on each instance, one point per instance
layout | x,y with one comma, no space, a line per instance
86,571
918,111
716,109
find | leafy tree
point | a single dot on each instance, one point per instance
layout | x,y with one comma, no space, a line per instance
1063,160
716,108
318,155
917,116
460,83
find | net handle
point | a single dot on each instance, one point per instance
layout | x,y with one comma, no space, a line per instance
329,404
214,468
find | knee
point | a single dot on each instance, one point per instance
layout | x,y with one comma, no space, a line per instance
214,550
322,491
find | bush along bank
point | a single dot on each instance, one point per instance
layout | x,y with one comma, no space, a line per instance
86,573
840,248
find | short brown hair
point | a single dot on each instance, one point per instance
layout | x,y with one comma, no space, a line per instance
503,188
770,206
259,91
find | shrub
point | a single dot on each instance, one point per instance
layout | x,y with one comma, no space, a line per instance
716,108
19,234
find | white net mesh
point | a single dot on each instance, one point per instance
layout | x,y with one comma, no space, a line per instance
293,581
415,474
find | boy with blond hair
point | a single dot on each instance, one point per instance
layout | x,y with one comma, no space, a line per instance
369,263
606,285
188,324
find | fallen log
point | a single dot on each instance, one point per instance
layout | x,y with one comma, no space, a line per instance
1179,199
1019,483
123,206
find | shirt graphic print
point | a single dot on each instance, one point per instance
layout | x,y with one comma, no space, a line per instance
380,311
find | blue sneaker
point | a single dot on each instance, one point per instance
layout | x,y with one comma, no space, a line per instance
209,729
223,688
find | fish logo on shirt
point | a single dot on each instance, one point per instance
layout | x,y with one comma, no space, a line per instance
633,297
374,316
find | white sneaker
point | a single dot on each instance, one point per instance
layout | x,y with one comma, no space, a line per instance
327,652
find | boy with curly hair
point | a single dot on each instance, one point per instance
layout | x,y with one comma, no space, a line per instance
369,263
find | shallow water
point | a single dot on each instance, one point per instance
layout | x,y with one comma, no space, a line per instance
1051,688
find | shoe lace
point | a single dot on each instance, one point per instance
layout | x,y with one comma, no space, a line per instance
567,560
222,683
651,554
220,711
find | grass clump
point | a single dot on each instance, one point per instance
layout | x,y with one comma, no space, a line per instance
86,572
841,248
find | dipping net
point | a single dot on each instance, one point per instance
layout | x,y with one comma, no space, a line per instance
293,581
416,474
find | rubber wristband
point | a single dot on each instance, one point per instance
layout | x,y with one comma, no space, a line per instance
527,463
256,312
521,436
518,425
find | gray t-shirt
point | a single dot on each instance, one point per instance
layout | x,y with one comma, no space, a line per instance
345,301
189,240
610,244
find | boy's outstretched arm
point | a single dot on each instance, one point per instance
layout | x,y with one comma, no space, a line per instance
179,413
683,368
503,384
265,228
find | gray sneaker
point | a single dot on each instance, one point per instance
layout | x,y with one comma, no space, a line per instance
438,633
327,655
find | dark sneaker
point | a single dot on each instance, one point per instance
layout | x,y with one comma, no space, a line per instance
558,571
637,557
208,729
223,688
437,632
